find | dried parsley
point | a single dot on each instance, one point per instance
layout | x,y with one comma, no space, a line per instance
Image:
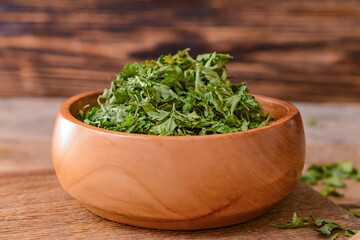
335,236
176,95
350,233
325,226
331,175
296,222
330,191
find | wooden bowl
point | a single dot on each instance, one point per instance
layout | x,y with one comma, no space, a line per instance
178,182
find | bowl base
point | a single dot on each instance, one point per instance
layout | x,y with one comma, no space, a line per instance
190,224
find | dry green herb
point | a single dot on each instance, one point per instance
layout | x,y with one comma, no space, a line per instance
330,191
331,175
356,214
335,236
176,95
311,122
350,233
324,226
296,222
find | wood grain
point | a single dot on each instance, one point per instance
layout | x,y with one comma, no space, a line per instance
295,50
34,206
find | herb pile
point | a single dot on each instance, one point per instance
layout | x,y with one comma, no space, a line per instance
331,176
176,95
323,225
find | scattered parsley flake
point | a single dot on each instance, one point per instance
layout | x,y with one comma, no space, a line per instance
330,191
311,122
327,226
331,175
336,235
296,222
350,233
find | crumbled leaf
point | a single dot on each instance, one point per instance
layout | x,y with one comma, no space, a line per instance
296,222
81,114
153,113
327,228
356,214
166,128
342,169
311,122
345,166
327,225
356,174
336,235
330,191
331,175
350,233
311,176
334,181
322,221
176,95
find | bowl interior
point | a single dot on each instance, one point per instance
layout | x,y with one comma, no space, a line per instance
79,104
274,107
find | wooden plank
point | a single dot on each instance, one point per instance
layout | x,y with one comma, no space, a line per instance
296,50
35,206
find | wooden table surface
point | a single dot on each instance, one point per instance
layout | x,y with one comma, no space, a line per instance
33,205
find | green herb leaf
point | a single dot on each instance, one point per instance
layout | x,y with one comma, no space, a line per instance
295,223
312,176
330,191
336,235
311,122
176,95
327,228
334,181
331,175
356,174
323,221
166,128
327,225
345,166
350,233
356,214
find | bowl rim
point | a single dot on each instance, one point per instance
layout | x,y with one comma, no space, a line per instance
64,112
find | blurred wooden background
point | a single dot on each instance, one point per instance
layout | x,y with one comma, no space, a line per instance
296,50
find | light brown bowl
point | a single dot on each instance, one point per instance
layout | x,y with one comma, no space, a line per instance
179,182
